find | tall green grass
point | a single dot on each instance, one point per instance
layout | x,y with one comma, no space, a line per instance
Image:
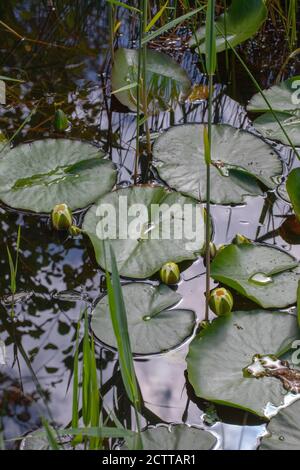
211,63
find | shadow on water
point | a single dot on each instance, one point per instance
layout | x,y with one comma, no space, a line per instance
67,65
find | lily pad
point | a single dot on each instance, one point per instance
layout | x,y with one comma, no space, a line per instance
142,244
177,437
219,356
240,22
282,98
165,78
293,189
241,162
270,129
39,175
152,327
283,430
245,267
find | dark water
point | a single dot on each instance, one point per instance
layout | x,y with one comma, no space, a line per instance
58,275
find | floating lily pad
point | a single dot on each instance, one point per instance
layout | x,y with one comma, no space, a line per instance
238,266
283,430
293,189
143,245
152,327
268,126
219,356
282,98
165,78
39,175
242,20
241,161
177,437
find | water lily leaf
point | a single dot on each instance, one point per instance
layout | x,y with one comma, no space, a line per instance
177,437
2,353
165,78
264,274
39,175
269,127
282,98
293,189
240,162
283,430
242,20
152,327
219,356
142,245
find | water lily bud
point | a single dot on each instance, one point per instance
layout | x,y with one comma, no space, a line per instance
241,240
61,122
221,301
170,273
61,217
74,231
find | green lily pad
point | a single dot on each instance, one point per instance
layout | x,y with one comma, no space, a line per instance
283,430
166,80
293,189
269,127
152,327
242,20
177,437
39,175
219,355
142,250
282,98
246,268
241,162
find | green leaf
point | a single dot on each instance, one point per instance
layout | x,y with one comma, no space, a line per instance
119,322
283,430
243,20
241,162
123,5
219,355
39,175
293,189
162,74
176,437
282,98
269,127
154,240
153,328
156,17
237,266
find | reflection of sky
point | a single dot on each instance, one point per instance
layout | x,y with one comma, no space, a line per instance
49,264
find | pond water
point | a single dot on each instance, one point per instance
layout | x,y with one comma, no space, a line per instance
58,275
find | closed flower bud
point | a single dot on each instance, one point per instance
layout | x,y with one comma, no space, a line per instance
241,240
61,122
221,301
212,250
74,231
61,217
170,273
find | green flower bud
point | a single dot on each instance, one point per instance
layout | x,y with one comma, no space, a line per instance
241,240
212,250
74,231
221,301
170,273
61,217
61,122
